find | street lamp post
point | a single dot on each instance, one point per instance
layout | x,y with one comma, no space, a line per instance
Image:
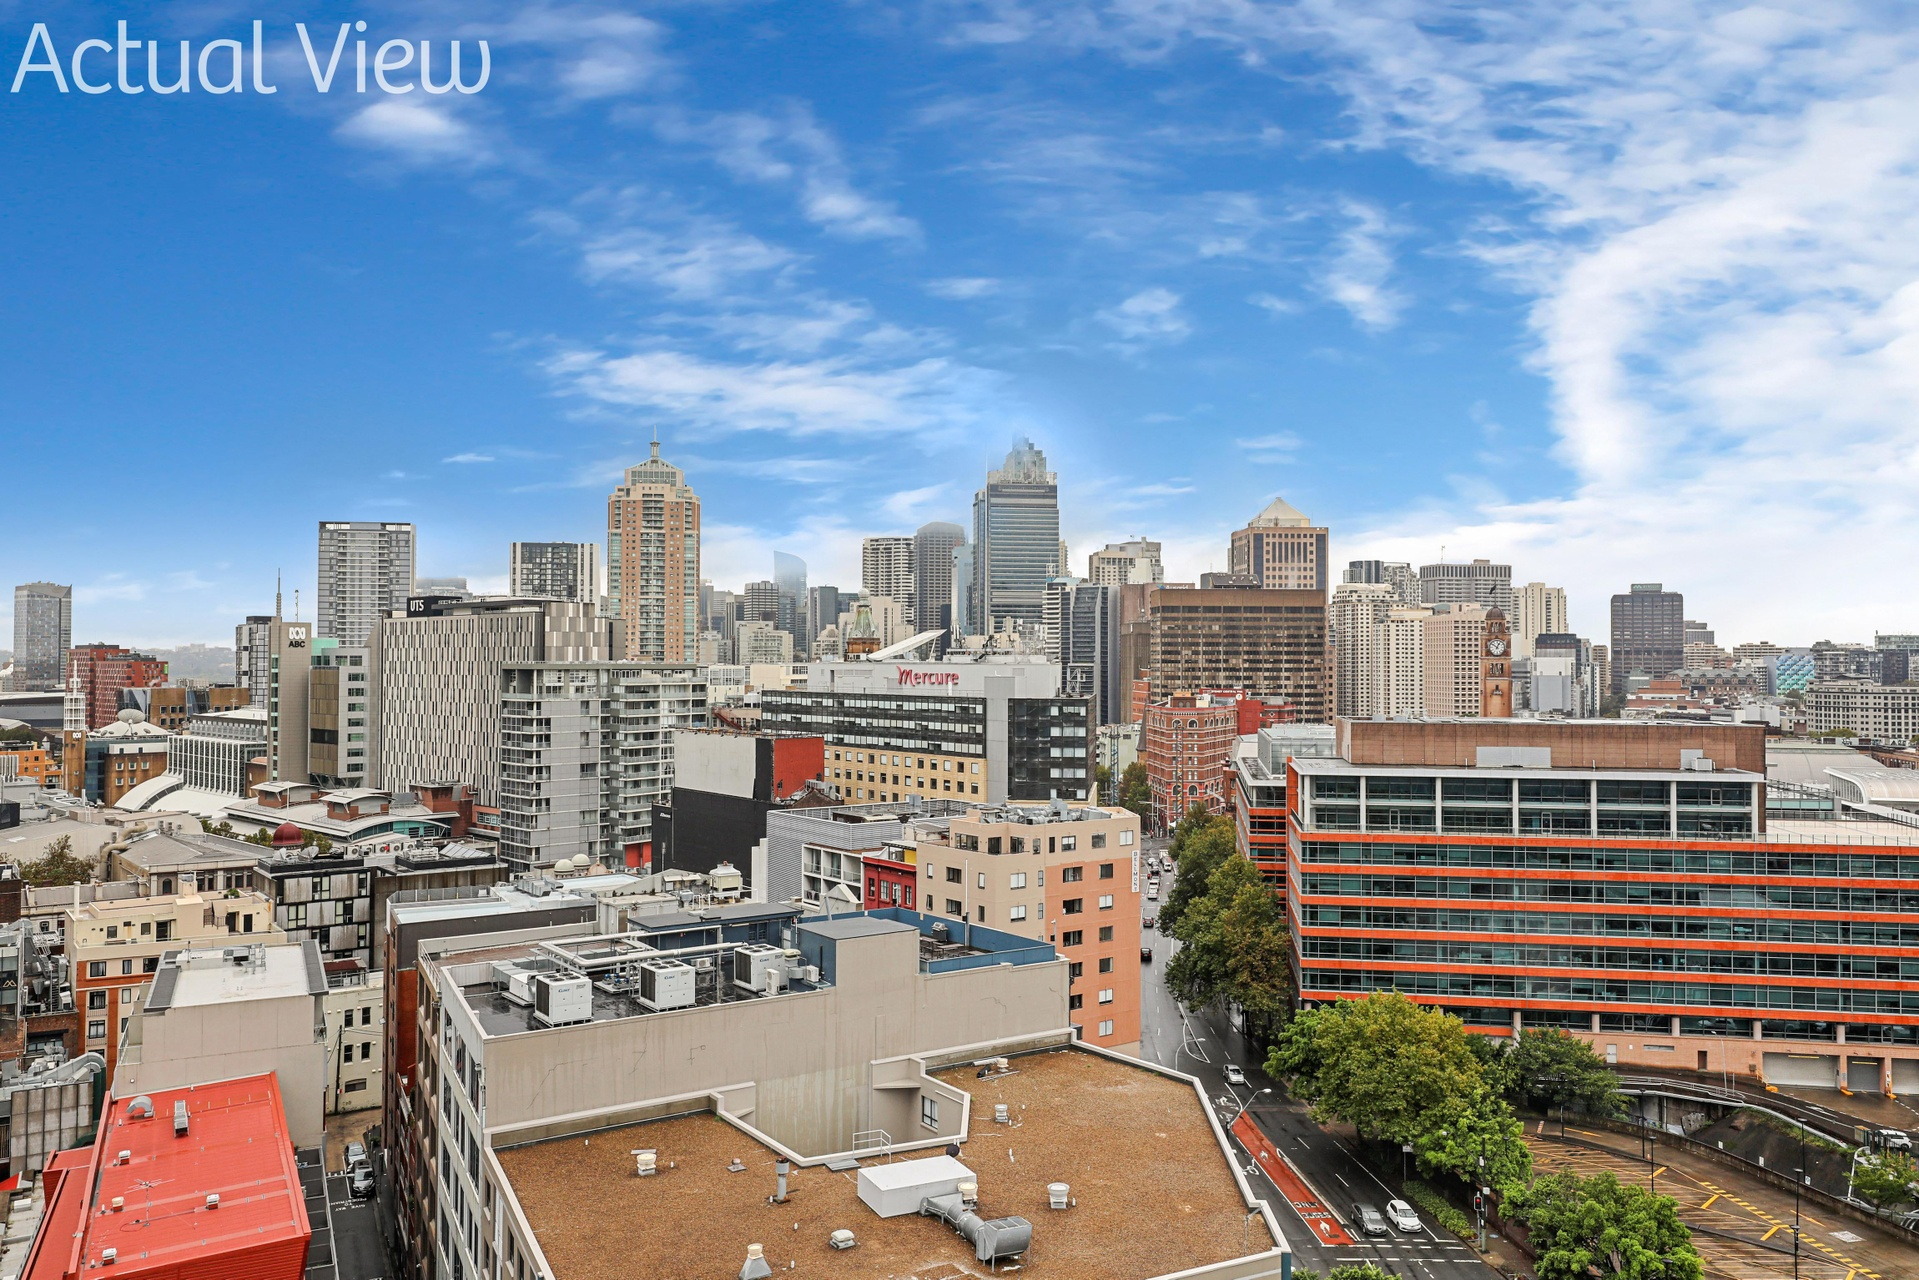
1242,1106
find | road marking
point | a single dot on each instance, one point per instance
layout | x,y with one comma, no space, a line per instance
1709,1201
1656,1172
1773,1231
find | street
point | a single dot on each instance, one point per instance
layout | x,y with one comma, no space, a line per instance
1319,1223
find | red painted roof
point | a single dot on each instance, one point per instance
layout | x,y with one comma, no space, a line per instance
236,1146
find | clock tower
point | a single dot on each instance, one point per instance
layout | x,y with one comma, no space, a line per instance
1496,669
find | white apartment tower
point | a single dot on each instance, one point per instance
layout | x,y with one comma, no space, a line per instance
1399,663
366,572
886,569
1453,641
653,562
555,571
1356,617
1120,564
1538,610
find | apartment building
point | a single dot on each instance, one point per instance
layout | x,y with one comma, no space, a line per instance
1118,564
1537,610
555,571
988,728
1355,618
105,764
1619,880
115,948
653,563
886,569
1479,582
586,751
1069,877
436,680
1884,714
95,675
365,573
1450,653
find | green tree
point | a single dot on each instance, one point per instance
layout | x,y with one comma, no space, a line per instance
1237,946
1583,1227
1351,1271
1393,1069
1201,842
1103,783
1545,1069
1135,792
1887,1179
1484,1129
56,865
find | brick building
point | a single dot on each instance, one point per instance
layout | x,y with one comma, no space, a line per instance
1186,740
96,673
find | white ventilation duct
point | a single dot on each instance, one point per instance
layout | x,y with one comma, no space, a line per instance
755,1267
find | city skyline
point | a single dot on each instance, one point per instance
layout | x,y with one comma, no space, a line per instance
838,262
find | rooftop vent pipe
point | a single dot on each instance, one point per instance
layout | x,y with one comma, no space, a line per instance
756,1267
992,1238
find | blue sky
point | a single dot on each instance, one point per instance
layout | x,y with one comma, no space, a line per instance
1615,291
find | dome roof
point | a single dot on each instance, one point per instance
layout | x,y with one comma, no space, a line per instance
286,835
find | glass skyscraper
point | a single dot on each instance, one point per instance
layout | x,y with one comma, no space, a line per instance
1015,541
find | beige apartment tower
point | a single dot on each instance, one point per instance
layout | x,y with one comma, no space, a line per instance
653,563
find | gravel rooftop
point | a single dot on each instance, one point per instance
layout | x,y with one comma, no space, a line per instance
1154,1193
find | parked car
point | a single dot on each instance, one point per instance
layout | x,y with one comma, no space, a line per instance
1368,1220
1895,1139
355,1154
1145,955
359,1181
1234,1076
1402,1216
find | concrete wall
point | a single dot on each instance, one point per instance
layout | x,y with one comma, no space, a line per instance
809,1053
193,1044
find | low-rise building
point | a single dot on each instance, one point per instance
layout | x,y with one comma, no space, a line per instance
139,1201
725,781
1875,713
115,947
223,1013
208,764
105,764
33,764
1186,740
1070,877
355,1011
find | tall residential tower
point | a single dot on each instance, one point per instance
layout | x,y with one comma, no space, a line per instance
366,572
653,562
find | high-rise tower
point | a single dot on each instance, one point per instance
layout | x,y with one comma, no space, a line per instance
42,634
653,562
1016,544
366,572
1281,550
933,547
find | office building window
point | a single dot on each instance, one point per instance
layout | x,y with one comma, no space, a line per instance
929,1112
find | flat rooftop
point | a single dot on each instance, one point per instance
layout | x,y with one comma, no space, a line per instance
1155,1192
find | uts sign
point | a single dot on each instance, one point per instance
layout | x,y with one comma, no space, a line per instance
909,678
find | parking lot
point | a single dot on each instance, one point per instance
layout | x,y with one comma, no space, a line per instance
1743,1229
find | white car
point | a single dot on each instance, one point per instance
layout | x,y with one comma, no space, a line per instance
1402,1216
1234,1076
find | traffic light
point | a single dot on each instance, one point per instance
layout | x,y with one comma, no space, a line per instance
1479,1203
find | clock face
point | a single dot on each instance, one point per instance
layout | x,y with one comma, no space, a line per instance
1496,646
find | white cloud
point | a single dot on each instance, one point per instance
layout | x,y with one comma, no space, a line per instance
1151,315
413,131
1277,446
469,457
1719,228
1356,275
598,54
794,151
832,396
1274,305
701,259
963,288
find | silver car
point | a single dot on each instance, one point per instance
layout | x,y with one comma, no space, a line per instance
1367,1219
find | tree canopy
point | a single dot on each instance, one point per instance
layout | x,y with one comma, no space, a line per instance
1393,1069
1544,1069
1485,1128
1135,792
1583,1227
1201,842
1237,946
57,865
1887,1179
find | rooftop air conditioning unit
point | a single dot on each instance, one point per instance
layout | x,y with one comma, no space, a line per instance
666,984
560,1002
751,964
